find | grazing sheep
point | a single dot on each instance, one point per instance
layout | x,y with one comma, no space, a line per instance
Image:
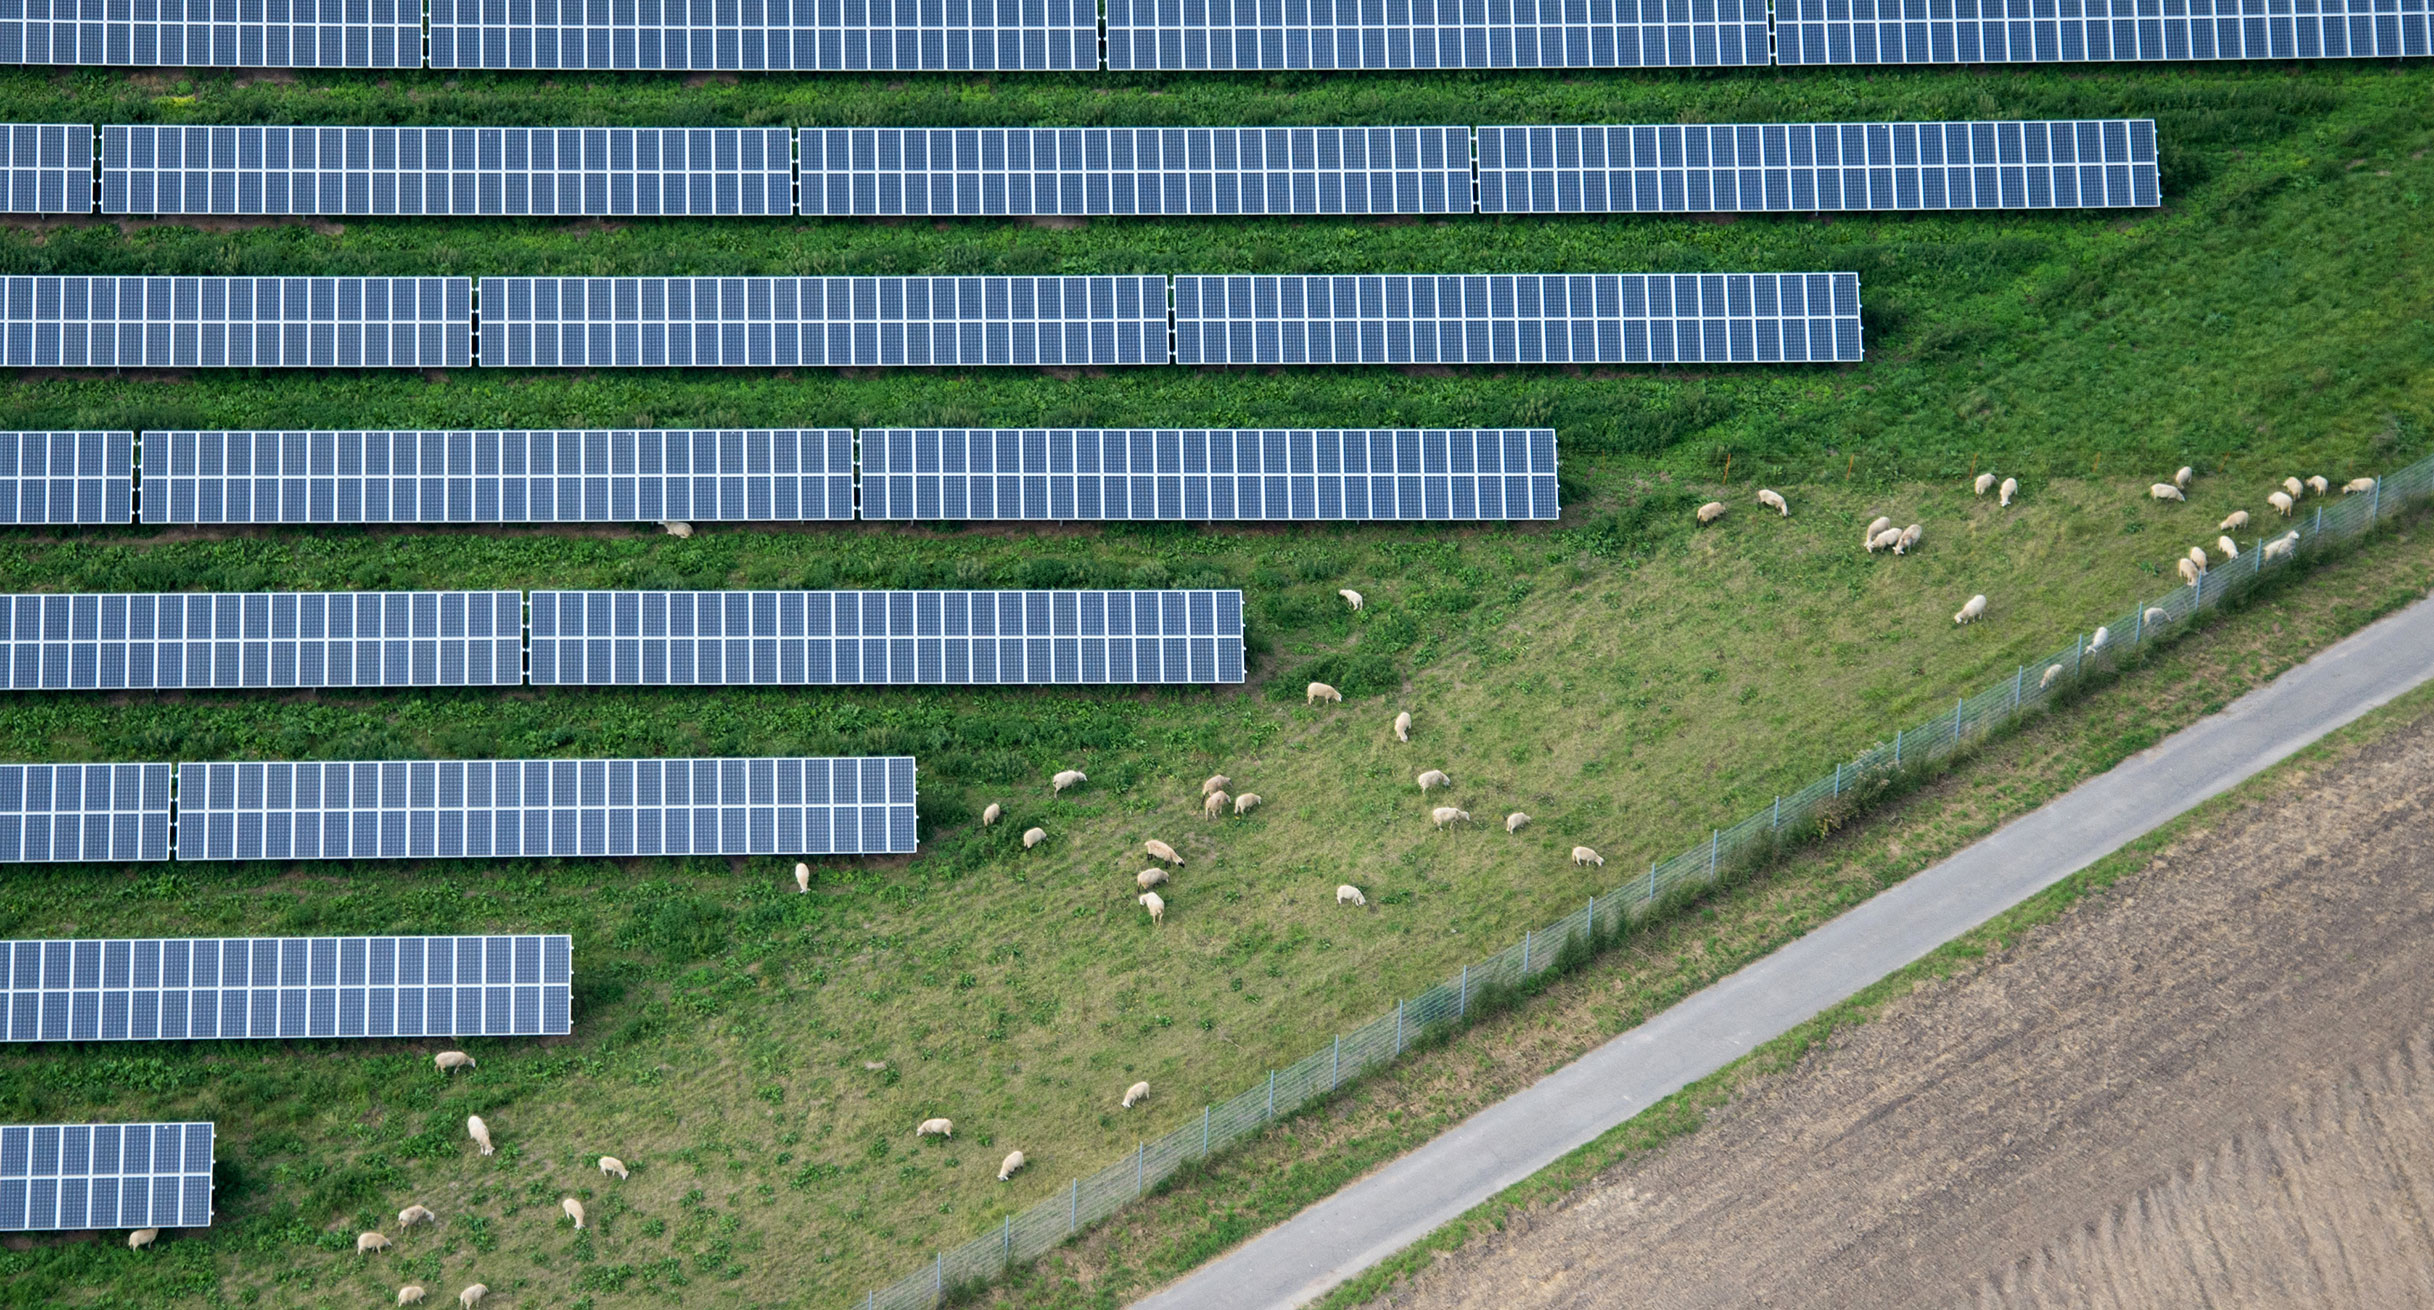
2011,488
410,1294
675,528
1320,691
1159,850
2281,501
1445,814
2181,479
1516,821
990,816
1875,525
1972,611
2230,548
2165,491
1033,837
2155,616
2190,573
1135,1094
1351,597
2235,520
1245,803
2198,556
447,1060
1774,500
1156,905
1583,855
2280,547
1884,540
1214,805
2052,671
479,1132
610,1164
415,1214
574,1210
935,1127
802,878
1402,726
1347,894
1711,511
2295,487
1068,778
1148,878
142,1237
1215,782
472,1296
1984,483
2356,485
2318,485
1014,1160
1434,779
2096,643
1909,539
370,1242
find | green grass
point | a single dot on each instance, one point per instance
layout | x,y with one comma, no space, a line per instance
1622,678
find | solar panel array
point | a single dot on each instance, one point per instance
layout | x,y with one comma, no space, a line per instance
1519,319
46,168
259,639
1420,34
2008,31
67,477
768,35
426,809
1200,474
73,813
1136,170
72,1177
605,171
874,638
594,475
835,322
237,322
215,33
198,989
1808,167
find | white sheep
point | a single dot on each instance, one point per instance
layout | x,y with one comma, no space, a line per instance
2318,485
1434,779
2280,547
2295,487
472,1296
1135,1094
1159,850
1445,814
1583,855
2356,485
1215,782
990,816
1984,483
1347,894
802,878
447,1060
2156,616
1711,511
2230,548
2235,520
677,528
142,1237
1516,821
2281,501
1774,500
1148,878
2011,488
935,1128
1214,805
2165,491
1972,611
1884,540
1014,1160
573,1209
479,1132
1909,539
415,1214
2181,478
1351,597
1245,803
1068,778
1402,726
1320,691
1156,905
1875,525
2190,573
370,1242
410,1294
610,1164
2052,671
2096,643
1033,837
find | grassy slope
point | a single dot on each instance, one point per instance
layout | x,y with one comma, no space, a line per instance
1625,681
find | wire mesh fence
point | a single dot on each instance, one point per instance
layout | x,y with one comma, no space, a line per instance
1023,1237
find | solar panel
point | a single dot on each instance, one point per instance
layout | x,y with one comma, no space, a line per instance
215,33
606,171
2004,31
1361,34
207,988
71,1177
885,638
569,476
835,322
1136,170
447,809
1208,475
1809,167
262,639
83,813
902,36
67,477
237,322
1629,318
46,168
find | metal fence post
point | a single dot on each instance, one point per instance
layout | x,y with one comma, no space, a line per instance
2316,529
1463,1008
2256,557
2374,509
2138,633
1593,900
1652,882
1957,703
2016,680
1715,837
1838,780
2078,652
1778,814
1073,1211
1398,1047
1398,1009
1006,1244
938,1275
1335,1076
1525,954
1140,1166
1204,1128
1897,748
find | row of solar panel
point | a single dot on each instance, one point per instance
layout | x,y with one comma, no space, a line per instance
196,989
73,1177
843,322
91,642
1066,35
398,809
782,474
1654,168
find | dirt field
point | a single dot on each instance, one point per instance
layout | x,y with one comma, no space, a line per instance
2211,1085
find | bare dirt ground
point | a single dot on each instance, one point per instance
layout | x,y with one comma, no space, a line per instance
2211,1085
